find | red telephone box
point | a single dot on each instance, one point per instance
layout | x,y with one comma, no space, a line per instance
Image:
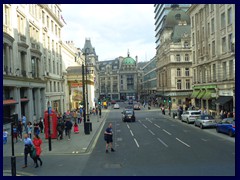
53,124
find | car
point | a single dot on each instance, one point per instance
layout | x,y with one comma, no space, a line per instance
226,126
116,106
190,116
205,121
128,107
113,102
130,102
128,115
136,107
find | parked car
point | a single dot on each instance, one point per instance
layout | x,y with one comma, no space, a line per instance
116,106
128,107
205,121
128,115
136,107
113,102
226,126
130,102
190,116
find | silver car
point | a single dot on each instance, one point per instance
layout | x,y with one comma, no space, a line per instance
205,121
190,116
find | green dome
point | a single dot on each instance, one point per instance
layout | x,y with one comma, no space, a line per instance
129,61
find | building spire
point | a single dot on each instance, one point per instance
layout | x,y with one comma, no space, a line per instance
128,53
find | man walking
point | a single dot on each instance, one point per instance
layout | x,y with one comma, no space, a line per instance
68,128
28,144
108,136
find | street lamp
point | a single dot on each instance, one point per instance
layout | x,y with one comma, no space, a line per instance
14,118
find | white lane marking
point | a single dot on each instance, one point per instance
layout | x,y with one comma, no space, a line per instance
131,132
136,142
167,132
157,125
204,140
162,142
151,132
144,125
128,126
183,142
140,121
150,121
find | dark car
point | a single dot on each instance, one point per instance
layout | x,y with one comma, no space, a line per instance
130,102
226,126
128,115
128,107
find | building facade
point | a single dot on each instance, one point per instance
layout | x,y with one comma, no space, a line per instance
161,10
213,50
119,78
173,60
31,48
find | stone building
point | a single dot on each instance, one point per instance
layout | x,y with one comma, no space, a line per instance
119,78
213,50
173,59
32,59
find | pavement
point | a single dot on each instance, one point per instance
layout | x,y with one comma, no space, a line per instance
79,144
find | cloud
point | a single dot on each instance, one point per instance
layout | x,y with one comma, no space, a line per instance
112,28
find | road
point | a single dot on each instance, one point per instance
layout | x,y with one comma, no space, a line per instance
154,145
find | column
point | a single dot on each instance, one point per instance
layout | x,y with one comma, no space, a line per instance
8,58
16,96
30,111
38,103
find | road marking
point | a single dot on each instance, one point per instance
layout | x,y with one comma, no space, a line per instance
131,132
136,142
128,126
167,132
140,121
204,140
157,125
183,142
144,125
162,142
150,121
119,130
151,132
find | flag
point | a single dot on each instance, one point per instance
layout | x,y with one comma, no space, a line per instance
63,19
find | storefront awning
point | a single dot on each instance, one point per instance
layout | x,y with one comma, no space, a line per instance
195,93
9,102
223,99
208,94
201,94
24,99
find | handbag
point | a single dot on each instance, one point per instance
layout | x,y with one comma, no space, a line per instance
33,153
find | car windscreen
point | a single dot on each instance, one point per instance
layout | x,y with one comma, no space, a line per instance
195,113
206,117
128,112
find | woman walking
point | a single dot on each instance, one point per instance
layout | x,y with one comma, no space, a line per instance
37,143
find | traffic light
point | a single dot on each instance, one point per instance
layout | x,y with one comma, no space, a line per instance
169,99
99,101
164,100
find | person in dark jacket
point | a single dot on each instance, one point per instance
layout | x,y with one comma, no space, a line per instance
68,126
60,129
108,136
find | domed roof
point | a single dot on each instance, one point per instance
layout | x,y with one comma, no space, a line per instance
129,61
175,15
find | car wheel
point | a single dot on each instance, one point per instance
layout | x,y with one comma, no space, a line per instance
217,130
187,121
195,124
230,133
201,126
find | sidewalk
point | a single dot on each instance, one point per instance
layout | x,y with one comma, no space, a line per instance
78,144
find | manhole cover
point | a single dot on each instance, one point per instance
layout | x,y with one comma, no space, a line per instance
112,166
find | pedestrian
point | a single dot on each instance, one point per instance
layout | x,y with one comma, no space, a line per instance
75,128
68,126
41,125
60,129
78,117
27,149
37,141
205,111
24,122
108,136
100,112
75,116
20,129
29,130
36,129
15,132
5,136
163,110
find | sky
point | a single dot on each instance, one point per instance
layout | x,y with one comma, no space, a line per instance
113,29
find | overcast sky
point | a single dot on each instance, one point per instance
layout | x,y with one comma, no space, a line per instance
112,28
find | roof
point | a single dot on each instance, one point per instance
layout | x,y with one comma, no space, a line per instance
88,47
129,61
181,31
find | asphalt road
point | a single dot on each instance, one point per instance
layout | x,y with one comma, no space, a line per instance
154,145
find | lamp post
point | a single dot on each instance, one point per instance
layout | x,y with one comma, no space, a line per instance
49,128
14,118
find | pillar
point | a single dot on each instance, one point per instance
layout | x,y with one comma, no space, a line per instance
30,110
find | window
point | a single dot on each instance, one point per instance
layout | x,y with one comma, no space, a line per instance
21,24
224,66
187,57
52,26
6,15
193,40
208,29
212,7
179,84
223,20
56,29
212,26
186,44
193,57
193,22
224,45
214,72
178,57
231,69
178,16
187,72
230,43
187,84
47,21
178,72
213,48
229,16
43,17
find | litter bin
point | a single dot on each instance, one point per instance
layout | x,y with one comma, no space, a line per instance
87,128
